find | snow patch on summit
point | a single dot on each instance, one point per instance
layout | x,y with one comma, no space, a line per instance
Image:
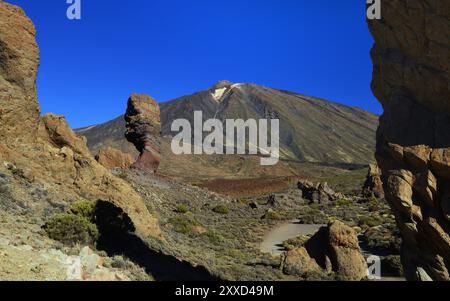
218,93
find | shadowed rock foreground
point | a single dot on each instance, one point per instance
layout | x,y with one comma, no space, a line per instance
411,79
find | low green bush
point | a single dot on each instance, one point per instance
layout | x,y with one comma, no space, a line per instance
221,209
84,209
184,224
369,221
71,229
217,239
182,208
344,202
296,242
272,215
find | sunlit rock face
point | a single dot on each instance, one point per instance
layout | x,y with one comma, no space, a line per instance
44,151
19,61
411,79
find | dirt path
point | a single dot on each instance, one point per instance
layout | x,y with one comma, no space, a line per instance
272,241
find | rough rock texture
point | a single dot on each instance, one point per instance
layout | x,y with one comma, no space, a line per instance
373,186
143,125
19,61
338,244
113,158
320,193
297,262
411,78
44,152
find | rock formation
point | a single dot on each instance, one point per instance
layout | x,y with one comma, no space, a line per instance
19,61
373,186
113,158
411,79
320,193
297,262
336,248
144,131
333,250
45,152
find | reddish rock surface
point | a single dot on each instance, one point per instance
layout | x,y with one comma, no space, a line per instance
143,125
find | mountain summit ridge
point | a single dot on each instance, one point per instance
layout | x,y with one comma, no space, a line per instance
311,129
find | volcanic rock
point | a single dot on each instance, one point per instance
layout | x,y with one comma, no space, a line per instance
144,131
373,185
113,158
319,193
46,148
19,61
338,243
411,79
297,262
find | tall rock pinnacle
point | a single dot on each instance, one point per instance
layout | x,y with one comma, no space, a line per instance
19,61
144,131
411,78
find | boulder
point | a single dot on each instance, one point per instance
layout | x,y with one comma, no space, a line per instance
297,262
338,244
113,158
143,126
411,78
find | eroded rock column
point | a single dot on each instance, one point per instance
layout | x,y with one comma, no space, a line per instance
144,131
411,79
19,61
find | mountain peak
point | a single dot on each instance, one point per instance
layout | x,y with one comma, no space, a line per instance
222,84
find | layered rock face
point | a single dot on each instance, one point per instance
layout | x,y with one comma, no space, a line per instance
19,61
143,125
44,152
411,79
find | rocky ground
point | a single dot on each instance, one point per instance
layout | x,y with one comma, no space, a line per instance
27,253
224,234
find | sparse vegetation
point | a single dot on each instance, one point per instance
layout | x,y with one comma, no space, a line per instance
217,239
296,242
182,208
344,202
184,224
221,209
369,221
75,226
71,229
311,216
83,208
272,215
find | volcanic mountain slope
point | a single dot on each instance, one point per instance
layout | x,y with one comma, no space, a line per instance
311,129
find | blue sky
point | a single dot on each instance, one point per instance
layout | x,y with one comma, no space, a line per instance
170,48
